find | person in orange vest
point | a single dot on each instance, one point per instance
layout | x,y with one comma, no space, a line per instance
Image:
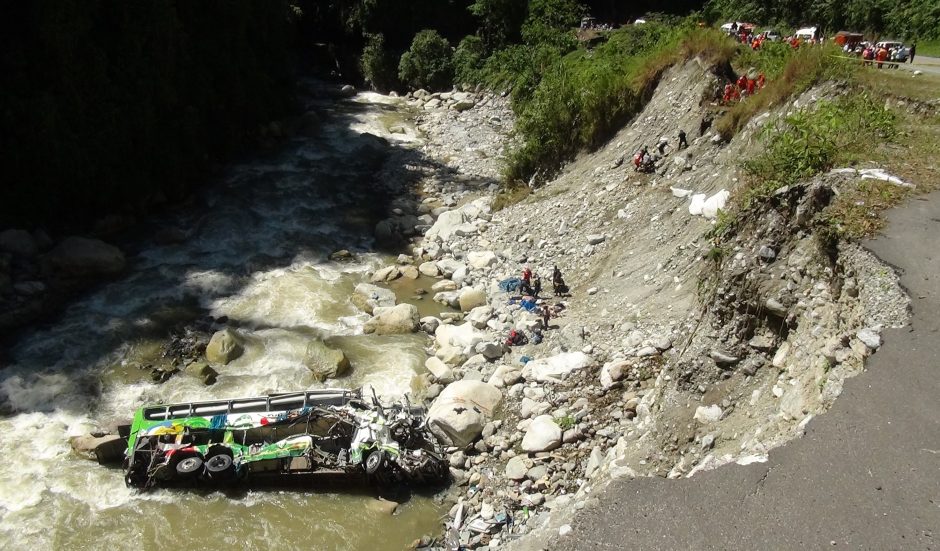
881,56
761,80
736,93
750,86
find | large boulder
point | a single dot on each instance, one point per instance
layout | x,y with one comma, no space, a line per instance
325,362
18,242
393,320
479,316
104,449
458,415
388,273
367,297
542,435
81,256
441,371
505,375
481,259
223,347
429,269
556,368
471,298
450,266
445,225
460,336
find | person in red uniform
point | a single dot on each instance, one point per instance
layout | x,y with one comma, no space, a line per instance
751,83
761,81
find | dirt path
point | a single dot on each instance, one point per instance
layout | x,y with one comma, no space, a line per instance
866,475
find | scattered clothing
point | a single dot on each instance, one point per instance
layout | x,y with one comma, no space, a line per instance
510,284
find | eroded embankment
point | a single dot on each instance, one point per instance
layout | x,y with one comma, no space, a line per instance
675,351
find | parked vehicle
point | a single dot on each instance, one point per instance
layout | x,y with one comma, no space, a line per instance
313,432
771,35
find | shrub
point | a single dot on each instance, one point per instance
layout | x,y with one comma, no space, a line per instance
788,74
378,65
428,63
582,98
468,60
811,141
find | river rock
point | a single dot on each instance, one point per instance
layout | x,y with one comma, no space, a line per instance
223,347
429,269
472,297
481,259
325,362
440,370
707,414
555,368
458,415
347,91
393,320
18,242
461,336
595,239
82,256
388,273
612,372
444,285
104,449
445,225
505,376
450,266
368,297
542,435
491,350
429,324
463,105
516,468
202,371
479,316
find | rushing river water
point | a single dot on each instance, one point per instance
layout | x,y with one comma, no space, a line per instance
258,254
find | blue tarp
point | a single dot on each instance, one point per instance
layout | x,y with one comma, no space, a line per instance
510,284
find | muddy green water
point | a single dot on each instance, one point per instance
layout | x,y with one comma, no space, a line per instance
258,254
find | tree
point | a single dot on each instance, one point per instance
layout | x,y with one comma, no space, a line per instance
500,21
428,63
378,65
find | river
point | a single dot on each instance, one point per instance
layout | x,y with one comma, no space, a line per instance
257,254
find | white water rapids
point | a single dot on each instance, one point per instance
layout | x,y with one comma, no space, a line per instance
258,255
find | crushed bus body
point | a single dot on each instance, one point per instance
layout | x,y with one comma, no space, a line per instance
314,432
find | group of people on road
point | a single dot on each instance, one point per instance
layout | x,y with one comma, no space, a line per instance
879,54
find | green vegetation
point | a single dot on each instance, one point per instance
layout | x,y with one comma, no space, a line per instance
111,105
789,72
428,63
929,48
815,140
579,100
903,19
566,422
378,65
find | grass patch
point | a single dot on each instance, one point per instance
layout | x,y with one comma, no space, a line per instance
901,84
929,48
510,194
586,96
789,72
815,140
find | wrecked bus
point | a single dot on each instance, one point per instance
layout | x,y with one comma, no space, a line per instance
263,438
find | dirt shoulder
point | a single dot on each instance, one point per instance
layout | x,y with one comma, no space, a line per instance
865,474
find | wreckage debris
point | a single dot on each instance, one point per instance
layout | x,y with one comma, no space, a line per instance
314,432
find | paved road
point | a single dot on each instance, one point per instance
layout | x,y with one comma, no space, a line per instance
865,476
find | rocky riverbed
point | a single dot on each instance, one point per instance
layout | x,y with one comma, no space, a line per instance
676,350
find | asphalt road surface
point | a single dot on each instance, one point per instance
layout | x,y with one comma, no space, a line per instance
865,476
